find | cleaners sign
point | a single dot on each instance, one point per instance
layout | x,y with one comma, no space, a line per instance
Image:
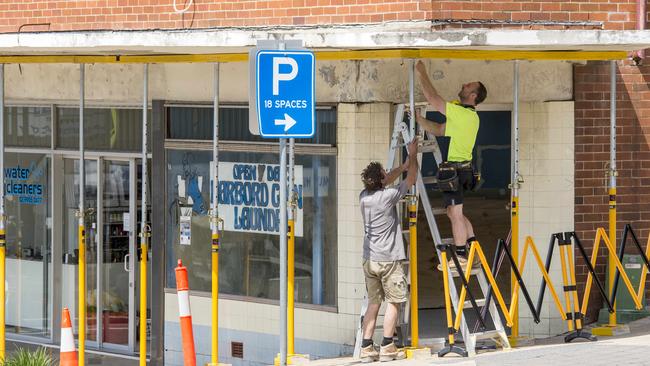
25,183
249,197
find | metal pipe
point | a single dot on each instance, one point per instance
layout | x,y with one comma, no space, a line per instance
283,252
612,184
215,218
82,213
145,231
412,98
514,205
3,241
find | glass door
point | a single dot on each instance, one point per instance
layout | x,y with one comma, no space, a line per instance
116,278
110,247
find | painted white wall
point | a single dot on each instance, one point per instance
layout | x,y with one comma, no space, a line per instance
337,81
546,201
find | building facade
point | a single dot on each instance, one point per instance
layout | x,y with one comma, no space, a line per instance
564,150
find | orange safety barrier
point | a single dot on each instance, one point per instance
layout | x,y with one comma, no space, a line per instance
187,335
68,355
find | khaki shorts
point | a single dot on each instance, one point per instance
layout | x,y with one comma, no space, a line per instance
385,280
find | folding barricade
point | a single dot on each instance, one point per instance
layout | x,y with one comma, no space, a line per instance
645,257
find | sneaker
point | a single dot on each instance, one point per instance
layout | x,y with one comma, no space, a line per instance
390,352
462,260
369,354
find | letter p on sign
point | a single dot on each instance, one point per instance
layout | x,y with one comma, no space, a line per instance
278,76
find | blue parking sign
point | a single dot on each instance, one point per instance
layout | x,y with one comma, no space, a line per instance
285,94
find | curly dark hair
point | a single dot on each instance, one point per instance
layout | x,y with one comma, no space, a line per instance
372,176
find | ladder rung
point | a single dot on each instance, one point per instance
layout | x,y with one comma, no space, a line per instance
429,180
428,148
439,211
479,302
448,241
454,273
489,334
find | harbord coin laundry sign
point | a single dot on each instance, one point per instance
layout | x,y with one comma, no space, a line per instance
285,93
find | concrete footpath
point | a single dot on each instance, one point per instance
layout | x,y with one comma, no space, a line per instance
628,349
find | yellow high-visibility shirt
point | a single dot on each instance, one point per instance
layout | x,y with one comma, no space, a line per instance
462,127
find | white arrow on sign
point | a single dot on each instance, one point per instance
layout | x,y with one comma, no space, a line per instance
287,122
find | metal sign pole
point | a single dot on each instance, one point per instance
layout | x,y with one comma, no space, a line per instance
514,205
3,242
145,231
81,215
214,223
283,252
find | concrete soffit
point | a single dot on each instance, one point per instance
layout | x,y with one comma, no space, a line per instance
416,35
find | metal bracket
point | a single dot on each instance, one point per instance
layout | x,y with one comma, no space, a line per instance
146,232
517,184
216,220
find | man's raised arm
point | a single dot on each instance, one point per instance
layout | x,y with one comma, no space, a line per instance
429,91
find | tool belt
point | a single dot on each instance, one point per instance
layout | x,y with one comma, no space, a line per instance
448,180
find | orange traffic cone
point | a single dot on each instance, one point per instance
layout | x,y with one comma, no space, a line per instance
187,335
68,353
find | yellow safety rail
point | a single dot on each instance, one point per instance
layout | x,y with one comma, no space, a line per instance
530,244
476,250
601,235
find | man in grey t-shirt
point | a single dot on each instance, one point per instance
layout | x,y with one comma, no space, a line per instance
383,251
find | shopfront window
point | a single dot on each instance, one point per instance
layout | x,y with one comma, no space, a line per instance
28,126
104,129
249,263
29,255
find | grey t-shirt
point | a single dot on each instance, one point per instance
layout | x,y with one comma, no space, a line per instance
382,237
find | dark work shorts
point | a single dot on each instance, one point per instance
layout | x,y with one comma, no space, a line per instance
465,182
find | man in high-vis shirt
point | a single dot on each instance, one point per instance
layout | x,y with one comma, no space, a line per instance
461,126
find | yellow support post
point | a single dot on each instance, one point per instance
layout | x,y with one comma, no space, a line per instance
612,264
215,220
514,247
143,300
413,261
215,297
145,229
82,290
290,285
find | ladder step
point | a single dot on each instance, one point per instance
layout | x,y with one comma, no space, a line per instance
489,334
439,211
479,302
448,241
475,271
429,180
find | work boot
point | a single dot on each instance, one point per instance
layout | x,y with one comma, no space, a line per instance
369,354
462,260
390,352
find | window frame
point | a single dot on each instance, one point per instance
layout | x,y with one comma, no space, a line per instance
252,147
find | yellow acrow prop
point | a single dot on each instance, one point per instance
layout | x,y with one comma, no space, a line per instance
602,235
530,244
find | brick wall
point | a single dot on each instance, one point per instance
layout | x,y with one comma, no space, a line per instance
61,15
591,87
581,14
